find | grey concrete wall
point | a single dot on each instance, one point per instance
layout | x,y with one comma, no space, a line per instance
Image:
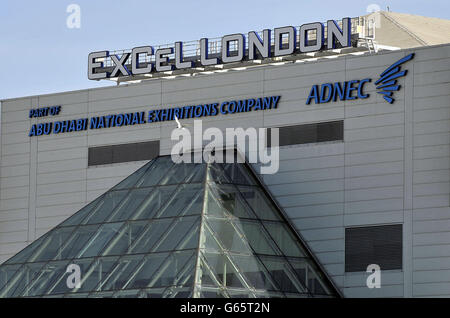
393,166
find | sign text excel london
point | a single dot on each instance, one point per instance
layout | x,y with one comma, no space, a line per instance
284,42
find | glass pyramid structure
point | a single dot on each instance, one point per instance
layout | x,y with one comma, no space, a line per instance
172,230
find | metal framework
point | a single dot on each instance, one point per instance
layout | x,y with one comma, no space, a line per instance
173,230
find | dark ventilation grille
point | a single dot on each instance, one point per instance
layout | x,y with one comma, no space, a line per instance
123,153
310,133
381,245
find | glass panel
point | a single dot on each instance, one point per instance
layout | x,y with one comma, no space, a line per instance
197,175
315,284
78,241
176,270
127,294
95,273
208,292
59,284
129,204
218,270
130,181
280,271
23,277
154,292
122,242
168,234
100,239
105,207
238,174
211,243
24,254
254,272
242,293
81,214
44,279
180,271
259,203
226,201
121,272
51,247
187,200
85,295
300,268
150,235
101,295
156,172
213,205
217,175
182,173
6,273
177,292
225,233
151,205
182,234
208,277
285,239
144,273
259,294
257,237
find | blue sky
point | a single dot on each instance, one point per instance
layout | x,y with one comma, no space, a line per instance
40,55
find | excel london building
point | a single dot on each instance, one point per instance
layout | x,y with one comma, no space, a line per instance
351,199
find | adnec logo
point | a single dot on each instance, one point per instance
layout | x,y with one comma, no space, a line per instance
350,90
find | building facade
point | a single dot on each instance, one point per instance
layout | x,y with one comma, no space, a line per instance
370,184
